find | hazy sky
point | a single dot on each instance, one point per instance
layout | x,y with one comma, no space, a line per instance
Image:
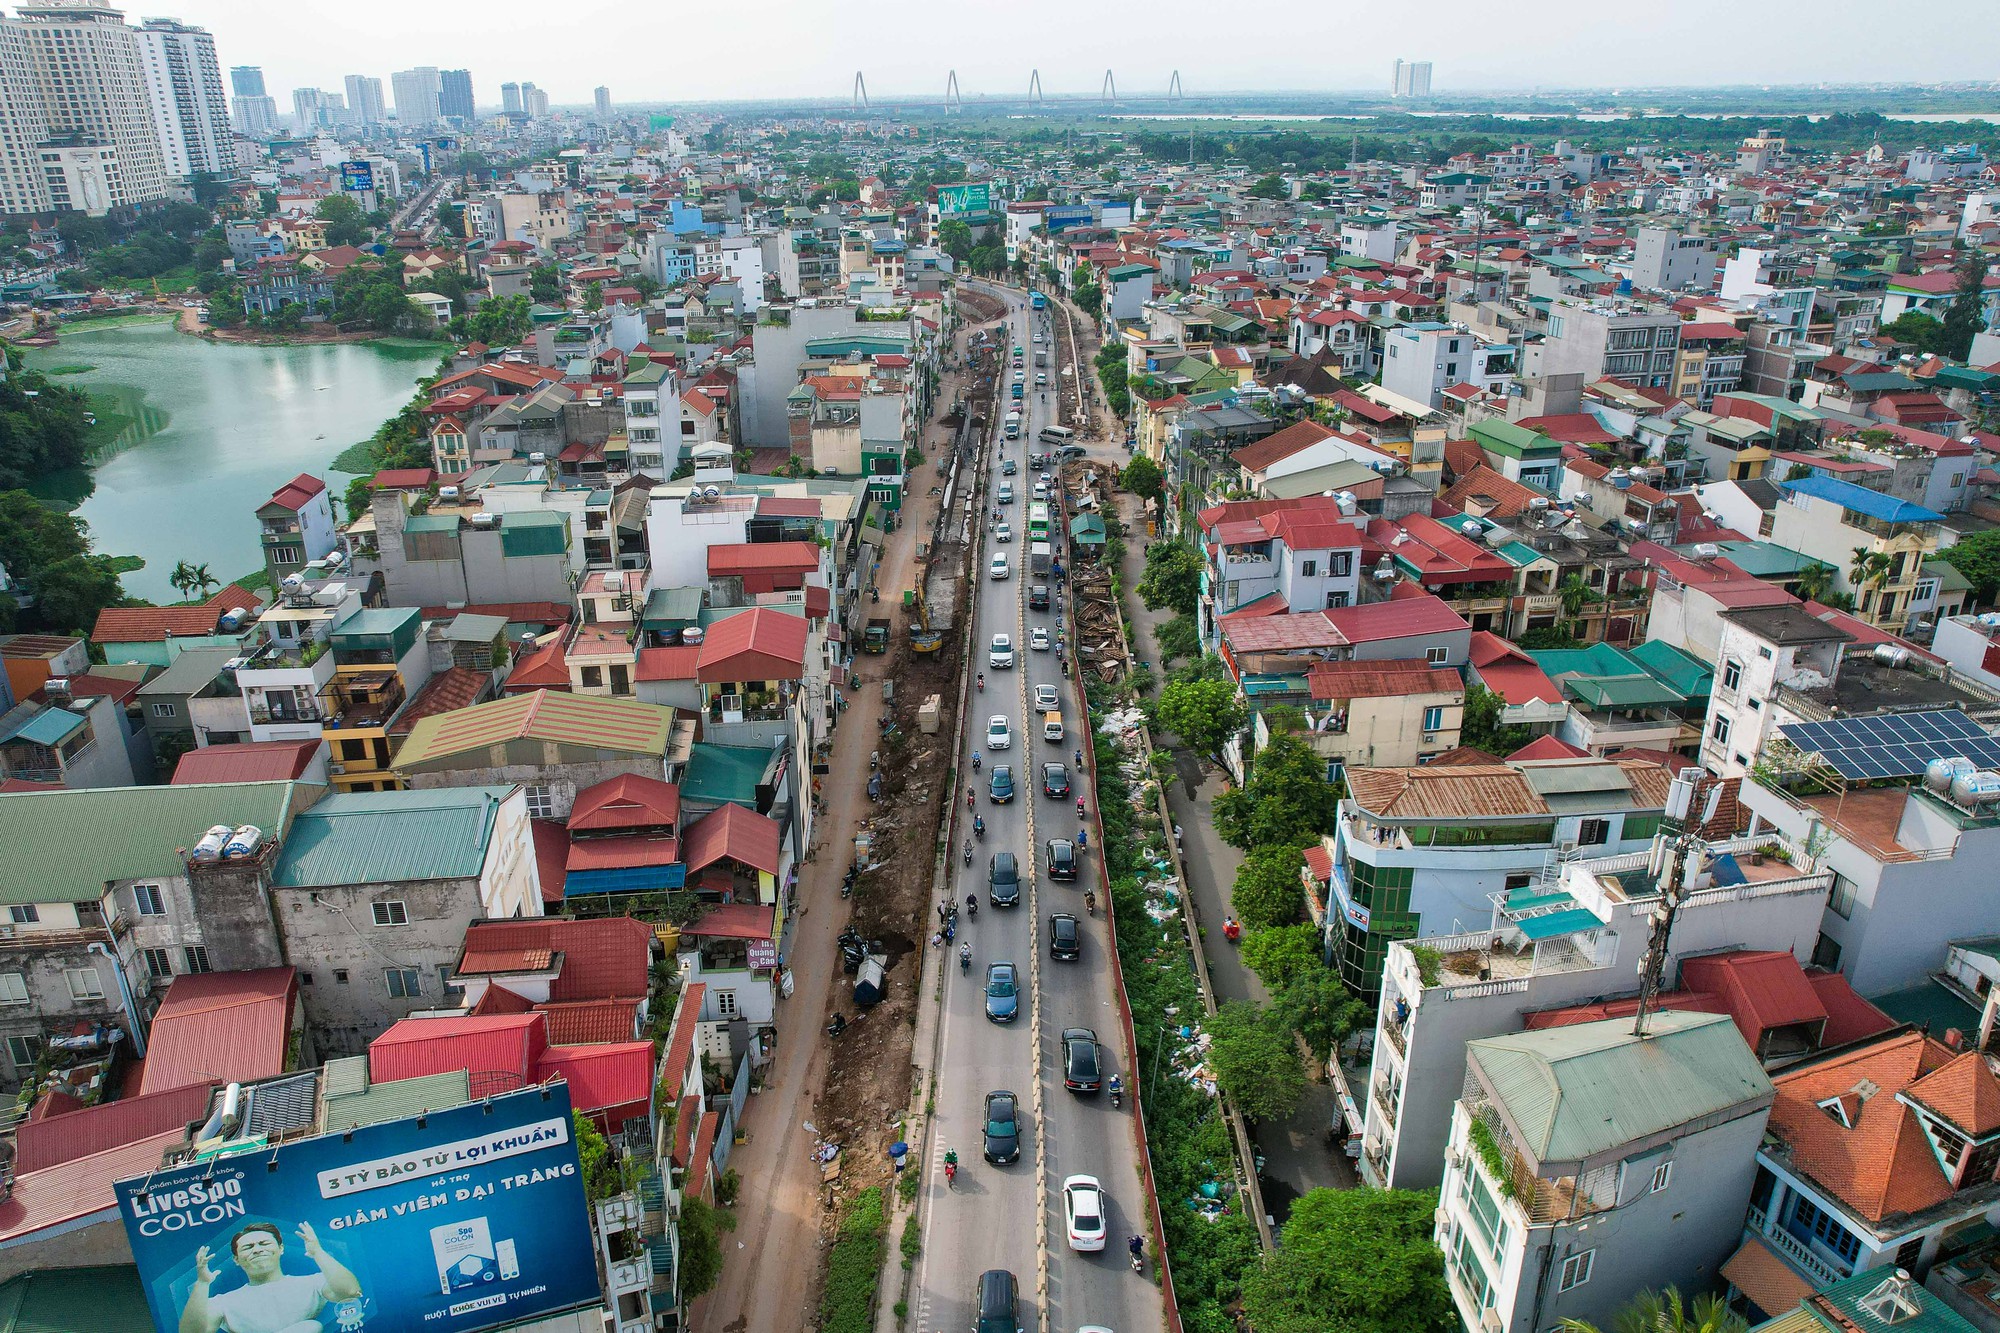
688,50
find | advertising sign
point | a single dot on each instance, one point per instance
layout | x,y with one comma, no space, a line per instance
357,176
1065,216
958,200
659,121
454,1221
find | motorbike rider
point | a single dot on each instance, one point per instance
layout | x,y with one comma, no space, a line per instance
965,956
972,904
976,761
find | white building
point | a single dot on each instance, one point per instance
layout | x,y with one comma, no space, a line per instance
1421,361
419,95
190,114
364,100
1761,648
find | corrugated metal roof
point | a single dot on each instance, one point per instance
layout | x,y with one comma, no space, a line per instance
221,1027
1572,1093
66,846
390,837
50,1139
363,1103
620,725
102,1299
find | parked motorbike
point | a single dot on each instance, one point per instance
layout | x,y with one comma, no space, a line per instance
1117,1093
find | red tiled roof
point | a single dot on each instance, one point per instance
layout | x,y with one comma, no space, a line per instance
758,644
622,852
627,801
1764,990
1546,747
540,668
585,1022
1964,1092
1509,672
403,479
735,921
1849,1018
730,558
1571,428
1879,1163
156,624
738,833
447,692
221,1027
246,761
1509,497
498,1051
678,662
48,1140
1276,447
679,1059
295,494
1319,862
602,958
607,1076
1376,680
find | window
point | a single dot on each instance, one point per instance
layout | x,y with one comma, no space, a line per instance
1308,568
1341,565
1826,953
450,992
1764,653
25,914
159,963
147,898
197,958
24,1051
163,710
1841,900
391,912
1662,1174
1732,674
340,976
541,803
725,1004
1593,832
1720,731
1437,656
592,677
13,988
1517,881
1336,600
1433,718
83,983
404,982
1576,1270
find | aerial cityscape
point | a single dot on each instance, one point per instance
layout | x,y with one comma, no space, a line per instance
944,682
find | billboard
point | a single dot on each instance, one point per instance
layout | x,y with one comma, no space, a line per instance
658,121
448,1222
1063,217
357,176
958,200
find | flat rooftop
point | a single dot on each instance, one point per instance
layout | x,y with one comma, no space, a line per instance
1866,686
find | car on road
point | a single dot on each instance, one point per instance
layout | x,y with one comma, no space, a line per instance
1003,1128
1061,853
999,736
1038,639
1083,1207
1009,467
1038,597
1006,495
1003,992
1003,880
998,1305
1046,698
1055,780
1003,532
1036,460
1000,653
1065,937
1082,1068
1000,787
1041,490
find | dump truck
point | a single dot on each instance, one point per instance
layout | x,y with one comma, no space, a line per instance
876,639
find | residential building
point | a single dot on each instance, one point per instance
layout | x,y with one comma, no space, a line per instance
419,95
458,553
1632,341
298,527
1421,361
1587,1163
1878,1300
190,114
77,131
1828,519
455,100
364,100
1410,78
601,102
1668,260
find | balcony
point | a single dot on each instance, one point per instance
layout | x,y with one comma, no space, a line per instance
1546,1200
281,528
1385,1102
1802,1255
1395,1030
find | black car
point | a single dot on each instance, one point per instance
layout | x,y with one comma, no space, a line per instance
1003,880
1065,937
1055,780
1081,1072
1038,597
1003,1128
997,1302
1062,858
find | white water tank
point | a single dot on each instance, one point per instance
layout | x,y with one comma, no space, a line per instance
1346,502
212,842
1707,551
1976,788
1939,774
1892,655
447,492
1471,529
243,841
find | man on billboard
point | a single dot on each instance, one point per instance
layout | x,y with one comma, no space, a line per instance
270,1300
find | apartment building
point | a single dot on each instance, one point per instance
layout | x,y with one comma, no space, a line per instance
1668,260
419,96
1760,650
364,100
1633,342
1587,1163
1828,519
455,100
190,115
1421,361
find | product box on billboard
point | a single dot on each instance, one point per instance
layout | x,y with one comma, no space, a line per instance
330,1232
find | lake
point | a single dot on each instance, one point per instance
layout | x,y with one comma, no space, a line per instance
194,435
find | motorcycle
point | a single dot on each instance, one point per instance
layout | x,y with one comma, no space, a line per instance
874,760
982,682
1117,1093
968,853
972,906
965,957
950,929
979,827
950,1167
976,761
837,1026
1090,903
1137,1245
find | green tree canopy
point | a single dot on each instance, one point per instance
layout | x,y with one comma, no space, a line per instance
1178,637
1665,1311
1270,187
1353,1261
1089,298
1920,331
1255,1061
1964,317
1977,556
1203,713
1267,891
345,223
1172,577
42,427
1281,956
1481,728
1287,800
701,1245
1142,477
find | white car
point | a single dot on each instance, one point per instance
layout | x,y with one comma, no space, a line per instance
1003,532
1000,567
1001,653
1083,1205
999,736
1006,493
1045,699
1041,490
1038,639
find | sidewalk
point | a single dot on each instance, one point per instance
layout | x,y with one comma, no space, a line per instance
1298,1153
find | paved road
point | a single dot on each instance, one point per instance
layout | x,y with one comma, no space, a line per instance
1011,1216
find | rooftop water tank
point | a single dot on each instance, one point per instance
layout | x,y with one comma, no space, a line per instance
1346,502
1892,655
212,842
1620,478
1707,551
1976,788
1471,528
1939,774
243,841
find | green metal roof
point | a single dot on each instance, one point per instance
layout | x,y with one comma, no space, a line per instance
1575,1093
1551,924
1685,674
675,605
102,1299
1839,1309
50,727
1764,560
383,837
1504,437
381,620
66,846
431,523
1639,691
722,774
1947,575
351,1101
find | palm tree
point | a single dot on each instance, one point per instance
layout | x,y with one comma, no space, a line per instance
1867,569
1664,1312
184,580
1815,581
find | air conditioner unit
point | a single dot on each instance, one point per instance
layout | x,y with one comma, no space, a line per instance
1491,1322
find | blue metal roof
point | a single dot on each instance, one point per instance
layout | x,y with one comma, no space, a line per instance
1861,500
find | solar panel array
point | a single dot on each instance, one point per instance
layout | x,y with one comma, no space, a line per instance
1895,745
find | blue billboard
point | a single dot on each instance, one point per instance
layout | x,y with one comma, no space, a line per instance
357,176
449,1222
1064,216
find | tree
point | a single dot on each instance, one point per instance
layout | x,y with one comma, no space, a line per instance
1282,956
1353,1261
70,593
1172,578
1920,331
345,222
451,218
1268,891
1963,318
593,296
192,581
545,283
701,1231
1665,1311
1203,713
1270,187
1179,637
1480,726
1142,477
955,239
1089,298
1255,1062
1287,800
1320,1008
1867,569
1815,580
1977,556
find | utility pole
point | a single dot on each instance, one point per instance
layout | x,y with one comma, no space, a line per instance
1679,838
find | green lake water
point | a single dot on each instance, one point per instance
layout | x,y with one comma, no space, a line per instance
194,435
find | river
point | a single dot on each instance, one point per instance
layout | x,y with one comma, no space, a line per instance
194,435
